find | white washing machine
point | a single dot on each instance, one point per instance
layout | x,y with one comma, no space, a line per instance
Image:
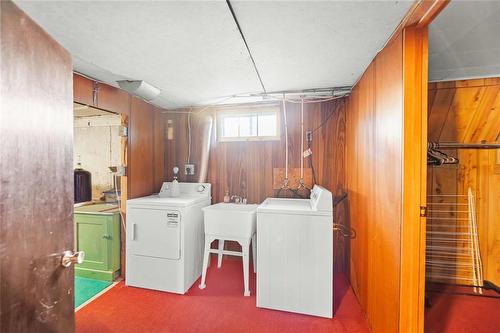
295,254
165,238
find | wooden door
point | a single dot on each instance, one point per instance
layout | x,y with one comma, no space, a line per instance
36,178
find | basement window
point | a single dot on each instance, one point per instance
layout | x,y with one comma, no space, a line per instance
262,124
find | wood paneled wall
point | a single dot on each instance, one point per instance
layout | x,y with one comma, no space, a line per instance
468,111
384,163
246,168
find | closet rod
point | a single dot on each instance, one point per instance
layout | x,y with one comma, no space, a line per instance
482,145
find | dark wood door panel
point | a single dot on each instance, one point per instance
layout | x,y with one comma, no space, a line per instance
36,178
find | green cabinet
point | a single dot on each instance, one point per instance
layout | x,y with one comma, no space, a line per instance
97,233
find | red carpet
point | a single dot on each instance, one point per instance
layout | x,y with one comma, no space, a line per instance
219,308
462,314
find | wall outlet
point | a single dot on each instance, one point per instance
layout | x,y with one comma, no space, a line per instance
189,169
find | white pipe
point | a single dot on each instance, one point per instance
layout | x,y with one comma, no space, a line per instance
218,103
189,138
302,140
286,139
474,276
477,255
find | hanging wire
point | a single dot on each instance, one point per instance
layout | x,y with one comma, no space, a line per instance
285,182
189,137
344,231
265,96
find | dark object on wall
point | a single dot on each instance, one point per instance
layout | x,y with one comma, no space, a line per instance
436,157
83,185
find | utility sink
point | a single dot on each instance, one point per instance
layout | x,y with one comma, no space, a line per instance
230,220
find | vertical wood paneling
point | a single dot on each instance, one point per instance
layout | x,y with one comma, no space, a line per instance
246,168
141,149
385,240
385,179
113,99
360,166
159,149
413,234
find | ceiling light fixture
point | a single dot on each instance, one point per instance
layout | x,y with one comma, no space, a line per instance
140,89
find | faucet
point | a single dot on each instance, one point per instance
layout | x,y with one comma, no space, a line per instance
237,199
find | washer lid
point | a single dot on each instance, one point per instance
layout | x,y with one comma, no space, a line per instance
156,200
290,206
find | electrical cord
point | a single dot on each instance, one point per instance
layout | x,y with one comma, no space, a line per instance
118,200
344,231
189,137
328,118
295,193
311,165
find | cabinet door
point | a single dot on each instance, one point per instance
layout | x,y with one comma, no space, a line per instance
93,238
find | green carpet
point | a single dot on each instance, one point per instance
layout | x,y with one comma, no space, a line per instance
85,289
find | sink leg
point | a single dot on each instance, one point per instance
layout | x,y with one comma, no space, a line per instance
206,257
254,252
219,255
245,246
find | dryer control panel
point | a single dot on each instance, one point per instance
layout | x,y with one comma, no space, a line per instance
196,189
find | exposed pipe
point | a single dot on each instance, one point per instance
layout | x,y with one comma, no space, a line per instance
302,143
189,137
285,183
268,96
205,125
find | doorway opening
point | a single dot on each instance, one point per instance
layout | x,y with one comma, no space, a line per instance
97,155
463,176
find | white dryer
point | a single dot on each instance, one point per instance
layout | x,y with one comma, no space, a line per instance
295,254
165,238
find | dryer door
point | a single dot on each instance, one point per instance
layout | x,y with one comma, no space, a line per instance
154,233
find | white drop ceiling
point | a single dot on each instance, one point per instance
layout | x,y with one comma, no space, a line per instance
193,51
464,41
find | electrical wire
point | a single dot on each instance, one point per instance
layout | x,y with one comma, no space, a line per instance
295,192
118,200
311,165
328,118
302,142
189,137
224,99
344,231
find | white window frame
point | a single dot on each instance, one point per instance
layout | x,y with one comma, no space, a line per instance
220,115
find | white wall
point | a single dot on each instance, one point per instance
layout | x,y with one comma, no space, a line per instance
97,141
